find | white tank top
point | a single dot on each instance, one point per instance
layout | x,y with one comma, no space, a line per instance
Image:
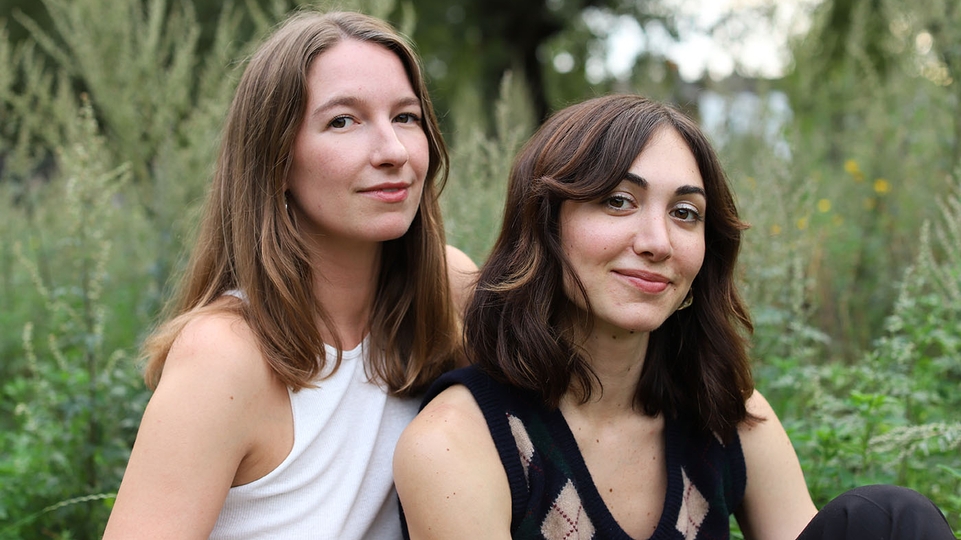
336,483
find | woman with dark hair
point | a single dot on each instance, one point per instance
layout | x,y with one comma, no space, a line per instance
320,301
610,394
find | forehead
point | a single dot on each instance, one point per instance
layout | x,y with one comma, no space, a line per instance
667,158
353,65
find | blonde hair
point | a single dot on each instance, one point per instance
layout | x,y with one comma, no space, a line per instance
248,242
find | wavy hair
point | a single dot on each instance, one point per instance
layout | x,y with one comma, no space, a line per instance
520,324
247,241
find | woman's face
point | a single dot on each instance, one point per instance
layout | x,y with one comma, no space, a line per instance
637,249
361,155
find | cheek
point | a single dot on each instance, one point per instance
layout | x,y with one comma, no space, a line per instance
693,256
586,253
418,152
312,160
600,241
588,241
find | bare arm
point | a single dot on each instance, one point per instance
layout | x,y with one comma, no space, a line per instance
196,432
777,504
448,474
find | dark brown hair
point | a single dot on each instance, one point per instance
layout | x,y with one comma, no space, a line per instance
518,326
248,241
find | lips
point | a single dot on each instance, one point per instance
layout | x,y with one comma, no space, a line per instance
648,282
393,192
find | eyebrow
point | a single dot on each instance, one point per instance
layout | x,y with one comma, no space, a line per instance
682,190
352,101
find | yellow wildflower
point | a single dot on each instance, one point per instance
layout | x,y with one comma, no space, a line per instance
824,206
881,186
854,170
775,229
802,223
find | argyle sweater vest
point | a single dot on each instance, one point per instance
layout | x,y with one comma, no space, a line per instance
553,495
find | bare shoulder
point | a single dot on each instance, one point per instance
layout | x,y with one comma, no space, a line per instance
215,405
459,261
216,366
766,438
452,416
216,344
448,473
445,433
462,274
776,500
758,406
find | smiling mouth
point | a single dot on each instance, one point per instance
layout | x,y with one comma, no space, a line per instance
651,284
392,186
388,194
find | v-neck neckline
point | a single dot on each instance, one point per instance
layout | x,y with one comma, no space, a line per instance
591,499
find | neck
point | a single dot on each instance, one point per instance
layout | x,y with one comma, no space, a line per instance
617,358
345,281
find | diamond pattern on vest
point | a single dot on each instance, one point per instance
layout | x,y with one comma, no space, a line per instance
525,447
694,508
567,519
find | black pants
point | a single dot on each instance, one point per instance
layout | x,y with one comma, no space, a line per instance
879,512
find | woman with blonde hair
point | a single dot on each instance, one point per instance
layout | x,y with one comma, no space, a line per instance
320,300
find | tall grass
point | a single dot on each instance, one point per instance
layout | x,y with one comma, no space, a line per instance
72,392
852,267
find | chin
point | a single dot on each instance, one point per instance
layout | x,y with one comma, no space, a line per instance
641,325
391,231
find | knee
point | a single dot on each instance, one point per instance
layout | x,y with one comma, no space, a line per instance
893,511
886,500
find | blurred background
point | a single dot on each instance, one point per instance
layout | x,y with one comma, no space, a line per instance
838,122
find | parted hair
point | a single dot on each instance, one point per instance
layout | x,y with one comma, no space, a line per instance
520,325
248,242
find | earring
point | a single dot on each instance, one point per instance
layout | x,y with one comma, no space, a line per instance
688,300
287,208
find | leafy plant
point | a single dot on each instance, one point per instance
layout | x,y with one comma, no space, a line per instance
77,400
855,291
473,201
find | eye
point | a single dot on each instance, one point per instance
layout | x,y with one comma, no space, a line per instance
341,122
687,212
618,201
407,118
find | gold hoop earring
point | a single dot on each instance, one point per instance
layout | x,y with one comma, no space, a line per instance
688,300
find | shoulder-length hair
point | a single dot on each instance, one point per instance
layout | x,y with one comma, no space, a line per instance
519,326
248,242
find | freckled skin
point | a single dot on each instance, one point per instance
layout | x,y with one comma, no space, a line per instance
348,146
637,250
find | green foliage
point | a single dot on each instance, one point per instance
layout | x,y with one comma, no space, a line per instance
474,198
936,26
72,404
160,102
852,267
471,44
891,417
876,143
31,95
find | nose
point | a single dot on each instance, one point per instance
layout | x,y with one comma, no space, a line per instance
388,148
653,238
